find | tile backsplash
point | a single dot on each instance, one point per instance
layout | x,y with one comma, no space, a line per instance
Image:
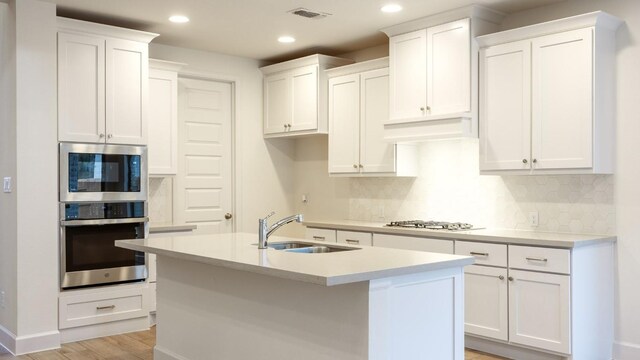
449,188
161,200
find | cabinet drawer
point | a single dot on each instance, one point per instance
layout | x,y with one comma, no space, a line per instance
354,238
484,253
90,308
540,259
413,243
328,235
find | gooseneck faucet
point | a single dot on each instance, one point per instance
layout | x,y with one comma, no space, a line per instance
264,230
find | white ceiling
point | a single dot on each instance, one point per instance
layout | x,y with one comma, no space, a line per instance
250,28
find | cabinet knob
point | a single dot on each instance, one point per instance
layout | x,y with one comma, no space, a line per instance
109,136
360,166
289,126
285,126
510,278
101,136
355,166
228,216
535,160
524,161
501,277
422,108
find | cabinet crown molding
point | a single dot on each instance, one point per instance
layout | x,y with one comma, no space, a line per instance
166,65
471,11
86,27
316,59
597,19
358,67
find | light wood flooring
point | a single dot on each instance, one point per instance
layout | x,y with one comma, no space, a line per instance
132,346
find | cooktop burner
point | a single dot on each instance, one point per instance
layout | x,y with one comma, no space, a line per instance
433,225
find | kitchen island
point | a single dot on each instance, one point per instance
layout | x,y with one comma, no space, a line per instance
220,297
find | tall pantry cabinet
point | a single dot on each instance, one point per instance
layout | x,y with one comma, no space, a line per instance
102,83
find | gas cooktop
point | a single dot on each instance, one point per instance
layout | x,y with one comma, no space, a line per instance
432,225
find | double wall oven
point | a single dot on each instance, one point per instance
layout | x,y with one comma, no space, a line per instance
103,198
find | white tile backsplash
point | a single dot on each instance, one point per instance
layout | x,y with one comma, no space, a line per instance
161,200
450,188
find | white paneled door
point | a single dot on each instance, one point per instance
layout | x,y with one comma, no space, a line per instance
204,181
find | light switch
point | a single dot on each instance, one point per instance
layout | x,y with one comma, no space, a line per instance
6,185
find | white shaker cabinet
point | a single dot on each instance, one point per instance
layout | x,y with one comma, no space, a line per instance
433,75
547,97
358,106
102,83
295,96
486,302
163,117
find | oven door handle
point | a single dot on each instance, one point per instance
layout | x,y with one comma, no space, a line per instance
103,221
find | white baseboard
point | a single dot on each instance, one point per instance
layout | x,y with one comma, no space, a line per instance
19,345
162,354
507,350
106,329
625,351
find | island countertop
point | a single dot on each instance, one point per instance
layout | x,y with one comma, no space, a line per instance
239,251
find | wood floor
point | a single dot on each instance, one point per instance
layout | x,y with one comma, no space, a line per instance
131,346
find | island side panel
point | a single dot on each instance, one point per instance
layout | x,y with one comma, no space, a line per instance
417,316
210,312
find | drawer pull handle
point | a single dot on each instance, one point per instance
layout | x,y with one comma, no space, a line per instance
536,259
479,254
351,241
109,307
321,238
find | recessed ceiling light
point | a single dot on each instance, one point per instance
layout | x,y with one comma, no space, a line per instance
286,39
179,19
391,8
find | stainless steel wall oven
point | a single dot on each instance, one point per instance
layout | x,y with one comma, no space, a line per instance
88,231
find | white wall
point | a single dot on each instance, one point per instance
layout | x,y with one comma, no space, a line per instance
265,172
8,221
31,159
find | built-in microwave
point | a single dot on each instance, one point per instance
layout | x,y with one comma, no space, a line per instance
101,172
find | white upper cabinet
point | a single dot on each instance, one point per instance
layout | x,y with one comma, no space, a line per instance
547,97
358,107
295,96
163,117
102,83
433,75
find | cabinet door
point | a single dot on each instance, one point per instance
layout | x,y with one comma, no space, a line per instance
163,122
563,100
344,124
408,76
505,115
376,155
81,103
485,302
277,103
126,91
540,311
304,89
413,243
449,68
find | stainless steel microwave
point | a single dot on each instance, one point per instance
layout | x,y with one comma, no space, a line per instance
101,172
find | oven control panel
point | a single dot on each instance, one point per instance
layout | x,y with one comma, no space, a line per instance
104,210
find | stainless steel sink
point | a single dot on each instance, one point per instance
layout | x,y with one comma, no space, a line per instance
308,248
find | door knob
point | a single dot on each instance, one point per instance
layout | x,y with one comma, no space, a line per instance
228,216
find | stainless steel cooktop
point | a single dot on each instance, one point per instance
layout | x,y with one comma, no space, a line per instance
432,225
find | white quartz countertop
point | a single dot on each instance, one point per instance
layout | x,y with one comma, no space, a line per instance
240,251
503,236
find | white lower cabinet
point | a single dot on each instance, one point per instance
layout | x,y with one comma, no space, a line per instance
413,243
529,308
354,237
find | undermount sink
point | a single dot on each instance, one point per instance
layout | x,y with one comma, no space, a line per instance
308,248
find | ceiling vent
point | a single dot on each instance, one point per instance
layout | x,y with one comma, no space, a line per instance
309,14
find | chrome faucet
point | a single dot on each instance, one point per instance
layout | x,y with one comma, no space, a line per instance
264,230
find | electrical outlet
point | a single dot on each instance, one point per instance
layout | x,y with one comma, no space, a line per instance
6,185
533,218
